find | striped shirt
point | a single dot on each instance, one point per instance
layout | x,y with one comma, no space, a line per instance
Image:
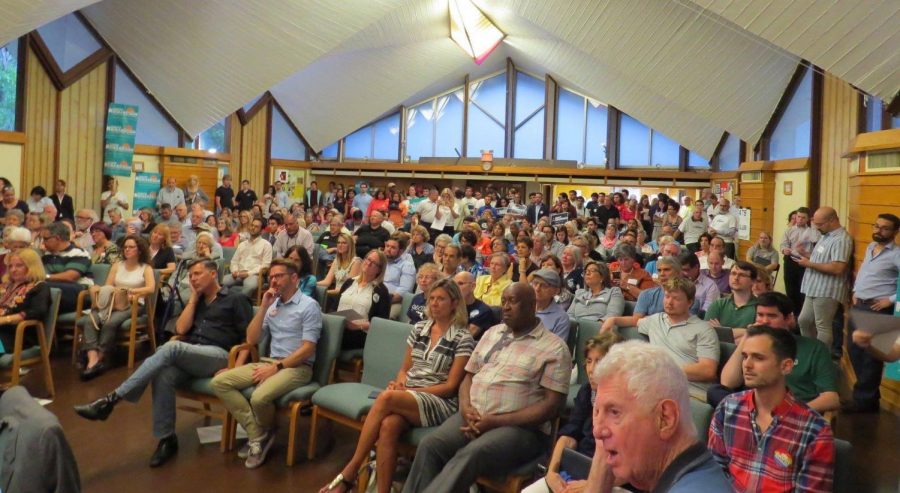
431,365
511,373
835,246
797,238
72,258
795,453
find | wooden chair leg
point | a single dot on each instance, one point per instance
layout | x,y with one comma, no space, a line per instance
132,342
76,334
225,442
313,433
45,358
292,433
207,419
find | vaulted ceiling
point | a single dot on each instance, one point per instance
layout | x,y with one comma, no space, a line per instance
689,68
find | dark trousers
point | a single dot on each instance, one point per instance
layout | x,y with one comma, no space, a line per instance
868,368
693,247
793,278
731,250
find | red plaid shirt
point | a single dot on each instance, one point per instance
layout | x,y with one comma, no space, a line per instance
796,452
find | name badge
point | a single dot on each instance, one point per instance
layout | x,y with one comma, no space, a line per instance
820,249
633,282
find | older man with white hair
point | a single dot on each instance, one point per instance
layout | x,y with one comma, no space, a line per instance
643,426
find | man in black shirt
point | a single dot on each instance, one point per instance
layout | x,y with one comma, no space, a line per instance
245,197
225,195
371,236
211,323
65,208
605,212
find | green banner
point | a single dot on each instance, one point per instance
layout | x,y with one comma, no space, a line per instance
121,127
146,186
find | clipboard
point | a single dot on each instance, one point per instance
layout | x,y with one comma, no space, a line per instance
885,328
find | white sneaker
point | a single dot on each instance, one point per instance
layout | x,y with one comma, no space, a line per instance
258,451
244,451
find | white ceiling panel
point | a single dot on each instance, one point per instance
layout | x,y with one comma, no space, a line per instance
205,58
857,40
18,17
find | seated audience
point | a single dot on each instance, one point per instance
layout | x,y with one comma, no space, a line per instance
650,301
293,234
564,298
706,290
504,405
116,223
452,260
572,265
249,259
11,201
687,339
812,380
23,296
211,323
105,250
668,249
420,250
764,439
14,239
228,237
717,272
643,425
628,275
366,297
371,236
763,253
425,277
737,310
300,257
469,260
546,283
608,243
489,287
134,275
292,322
328,240
717,244
67,266
481,316
578,432
424,394
523,265
599,299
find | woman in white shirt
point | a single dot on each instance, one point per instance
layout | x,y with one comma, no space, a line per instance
38,199
366,295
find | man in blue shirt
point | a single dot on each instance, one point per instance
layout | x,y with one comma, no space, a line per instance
362,199
293,323
400,272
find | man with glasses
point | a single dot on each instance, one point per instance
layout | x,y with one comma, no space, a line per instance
249,259
546,284
826,281
739,309
170,194
84,219
875,290
68,267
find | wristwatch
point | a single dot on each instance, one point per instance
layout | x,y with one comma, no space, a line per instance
280,366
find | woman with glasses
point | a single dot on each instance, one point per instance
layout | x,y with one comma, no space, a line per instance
599,299
133,274
346,264
424,394
425,277
763,254
364,297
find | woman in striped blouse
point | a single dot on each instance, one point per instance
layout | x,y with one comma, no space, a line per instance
425,391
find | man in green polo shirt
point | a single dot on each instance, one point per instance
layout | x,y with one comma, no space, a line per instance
738,310
813,379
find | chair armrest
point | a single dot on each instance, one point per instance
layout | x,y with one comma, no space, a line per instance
233,353
79,301
20,332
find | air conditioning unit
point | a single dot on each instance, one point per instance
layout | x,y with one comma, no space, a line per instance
883,161
751,177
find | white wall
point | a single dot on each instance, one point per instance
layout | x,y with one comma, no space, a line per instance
11,165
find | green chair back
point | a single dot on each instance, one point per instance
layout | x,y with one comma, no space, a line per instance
228,254
632,334
384,351
843,470
328,347
100,272
726,349
572,340
701,413
586,330
321,296
51,315
404,307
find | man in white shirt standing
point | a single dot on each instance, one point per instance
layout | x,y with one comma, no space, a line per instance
725,226
292,235
281,197
428,212
249,259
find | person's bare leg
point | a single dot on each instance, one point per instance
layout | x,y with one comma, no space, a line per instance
93,357
392,428
390,402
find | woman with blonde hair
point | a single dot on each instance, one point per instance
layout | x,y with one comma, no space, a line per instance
23,296
243,227
449,211
424,394
426,275
162,256
763,254
346,264
193,193
366,296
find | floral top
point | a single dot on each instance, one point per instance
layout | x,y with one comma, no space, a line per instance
109,255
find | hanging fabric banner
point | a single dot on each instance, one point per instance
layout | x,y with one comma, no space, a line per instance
121,127
146,186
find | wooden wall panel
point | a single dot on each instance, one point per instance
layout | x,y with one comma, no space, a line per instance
82,115
253,152
760,198
40,127
840,110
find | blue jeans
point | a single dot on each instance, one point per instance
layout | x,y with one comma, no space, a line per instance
173,364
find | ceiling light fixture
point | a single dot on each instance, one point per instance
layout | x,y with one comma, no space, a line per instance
472,30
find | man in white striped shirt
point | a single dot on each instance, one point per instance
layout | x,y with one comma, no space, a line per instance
825,282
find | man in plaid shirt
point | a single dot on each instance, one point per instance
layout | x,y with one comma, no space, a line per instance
764,439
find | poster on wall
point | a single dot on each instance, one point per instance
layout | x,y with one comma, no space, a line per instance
146,186
121,127
293,180
744,224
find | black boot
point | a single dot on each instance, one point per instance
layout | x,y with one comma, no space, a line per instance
164,451
100,409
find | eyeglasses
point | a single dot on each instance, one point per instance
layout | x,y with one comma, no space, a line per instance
278,275
372,262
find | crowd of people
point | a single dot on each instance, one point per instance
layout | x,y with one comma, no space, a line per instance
490,285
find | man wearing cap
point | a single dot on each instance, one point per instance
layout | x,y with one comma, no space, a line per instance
546,283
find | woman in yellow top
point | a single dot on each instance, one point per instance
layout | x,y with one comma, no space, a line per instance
489,287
